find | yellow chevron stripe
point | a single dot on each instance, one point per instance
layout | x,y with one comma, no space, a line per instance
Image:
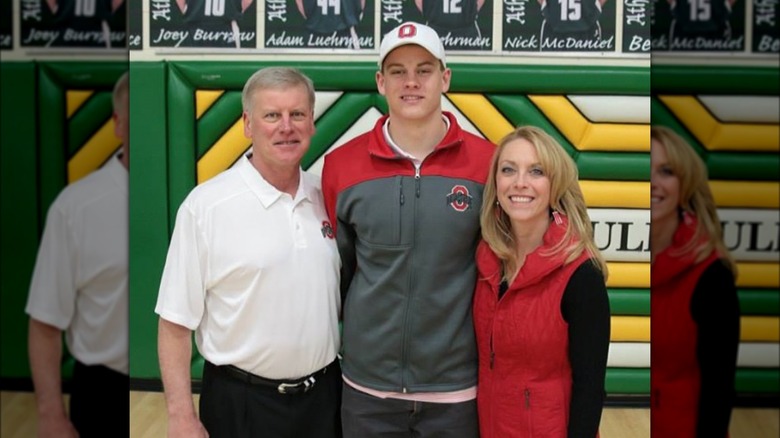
637,329
716,136
630,329
759,328
225,151
757,194
628,274
204,99
636,194
755,274
74,99
619,194
94,152
478,109
586,136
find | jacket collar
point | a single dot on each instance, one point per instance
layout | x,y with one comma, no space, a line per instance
671,262
377,145
537,264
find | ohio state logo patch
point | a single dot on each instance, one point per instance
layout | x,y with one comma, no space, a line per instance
407,31
327,230
459,198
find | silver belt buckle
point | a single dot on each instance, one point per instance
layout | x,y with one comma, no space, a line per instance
307,385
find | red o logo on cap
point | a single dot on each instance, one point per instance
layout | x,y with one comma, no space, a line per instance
407,31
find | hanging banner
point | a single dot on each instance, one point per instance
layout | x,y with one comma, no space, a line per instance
461,24
6,26
766,27
636,26
699,25
203,23
559,25
73,23
319,24
134,25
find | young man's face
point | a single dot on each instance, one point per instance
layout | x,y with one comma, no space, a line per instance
412,81
280,124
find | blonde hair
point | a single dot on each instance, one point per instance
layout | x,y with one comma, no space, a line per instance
565,197
695,196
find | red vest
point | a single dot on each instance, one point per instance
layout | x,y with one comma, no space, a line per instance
524,371
674,376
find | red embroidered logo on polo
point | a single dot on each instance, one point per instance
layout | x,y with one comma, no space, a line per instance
327,230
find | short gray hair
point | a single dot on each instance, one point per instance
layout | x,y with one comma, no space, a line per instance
119,96
275,78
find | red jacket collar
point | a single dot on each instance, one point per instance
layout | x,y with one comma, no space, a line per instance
537,264
377,145
671,262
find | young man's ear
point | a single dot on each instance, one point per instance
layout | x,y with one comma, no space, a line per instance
380,82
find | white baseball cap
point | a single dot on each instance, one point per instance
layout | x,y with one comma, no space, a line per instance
412,33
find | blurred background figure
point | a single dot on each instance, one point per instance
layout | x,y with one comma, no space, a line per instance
79,286
694,305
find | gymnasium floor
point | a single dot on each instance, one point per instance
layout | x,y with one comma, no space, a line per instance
148,418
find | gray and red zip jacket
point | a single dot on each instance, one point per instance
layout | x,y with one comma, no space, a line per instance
407,241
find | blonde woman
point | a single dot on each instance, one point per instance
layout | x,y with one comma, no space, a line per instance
541,310
694,304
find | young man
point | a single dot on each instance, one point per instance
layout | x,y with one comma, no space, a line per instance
233,275
79,286
405,200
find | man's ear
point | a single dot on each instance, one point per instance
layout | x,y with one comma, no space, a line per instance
380,82
247,124
117,125
445,78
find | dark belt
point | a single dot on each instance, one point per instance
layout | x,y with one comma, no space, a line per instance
292,387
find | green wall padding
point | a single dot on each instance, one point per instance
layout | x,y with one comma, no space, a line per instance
19,233
217,119
757,380
674,79
759,301
149,211
629,301
628,381
90,117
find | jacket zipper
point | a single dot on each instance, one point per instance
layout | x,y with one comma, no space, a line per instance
417,180
492,353
527,394
404,365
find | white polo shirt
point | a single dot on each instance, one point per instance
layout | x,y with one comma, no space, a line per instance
79,283
255,273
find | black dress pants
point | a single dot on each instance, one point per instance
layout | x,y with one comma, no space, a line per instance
231,408
99,402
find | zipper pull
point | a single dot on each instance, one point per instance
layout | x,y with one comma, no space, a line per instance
401,190
527,398
417,180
